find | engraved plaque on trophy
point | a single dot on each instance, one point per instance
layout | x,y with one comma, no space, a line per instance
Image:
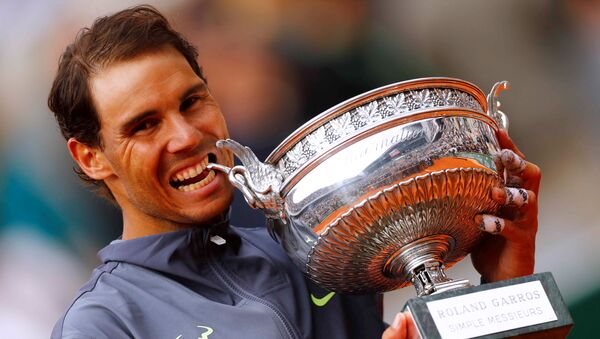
526,307
381,191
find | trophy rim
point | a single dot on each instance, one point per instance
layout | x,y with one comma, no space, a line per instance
300,135
301,172
369,96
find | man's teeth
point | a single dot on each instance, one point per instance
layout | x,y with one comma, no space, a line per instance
201,183
190,172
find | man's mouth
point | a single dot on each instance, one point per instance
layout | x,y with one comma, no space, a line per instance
194,177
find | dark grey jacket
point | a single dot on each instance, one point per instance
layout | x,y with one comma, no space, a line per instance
181,285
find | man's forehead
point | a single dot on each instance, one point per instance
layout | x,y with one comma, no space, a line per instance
137,84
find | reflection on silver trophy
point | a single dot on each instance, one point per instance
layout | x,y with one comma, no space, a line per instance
380,191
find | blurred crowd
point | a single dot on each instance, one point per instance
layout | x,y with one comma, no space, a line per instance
274,64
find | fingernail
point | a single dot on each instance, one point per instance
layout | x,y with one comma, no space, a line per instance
398,321
491,224
516,196
498,194
498,163
512,162
479,222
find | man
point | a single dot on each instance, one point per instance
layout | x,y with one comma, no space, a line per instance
141,125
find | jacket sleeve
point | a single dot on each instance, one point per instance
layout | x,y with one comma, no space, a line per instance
89,321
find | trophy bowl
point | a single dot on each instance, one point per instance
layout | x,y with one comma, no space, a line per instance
381,191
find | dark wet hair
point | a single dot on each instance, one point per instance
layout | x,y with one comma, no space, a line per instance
117,37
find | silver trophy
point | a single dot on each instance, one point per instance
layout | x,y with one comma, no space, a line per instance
381,191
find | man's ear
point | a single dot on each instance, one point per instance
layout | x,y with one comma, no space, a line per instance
90,159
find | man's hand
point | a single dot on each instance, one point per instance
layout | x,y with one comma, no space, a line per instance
403,327
509,251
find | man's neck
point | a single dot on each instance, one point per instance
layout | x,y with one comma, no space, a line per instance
135,228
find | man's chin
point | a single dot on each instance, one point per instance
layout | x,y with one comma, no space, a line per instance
216,211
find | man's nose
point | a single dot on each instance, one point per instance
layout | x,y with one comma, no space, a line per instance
183,136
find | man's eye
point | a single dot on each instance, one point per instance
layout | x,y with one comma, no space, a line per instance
144,126
187,103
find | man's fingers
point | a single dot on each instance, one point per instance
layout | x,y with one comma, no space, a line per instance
514,181
517,172
411,331
490,223
499,165
500,226
511,196
403,327
506,142
398,329
513,163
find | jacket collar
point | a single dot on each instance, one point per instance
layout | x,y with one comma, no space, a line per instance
175,252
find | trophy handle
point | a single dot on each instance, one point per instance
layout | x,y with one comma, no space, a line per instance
259,182
494,104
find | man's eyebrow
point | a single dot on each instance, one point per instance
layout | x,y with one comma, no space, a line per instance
136,119
201,86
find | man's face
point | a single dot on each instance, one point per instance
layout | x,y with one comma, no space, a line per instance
159,125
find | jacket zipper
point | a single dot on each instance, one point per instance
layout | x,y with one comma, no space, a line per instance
241,292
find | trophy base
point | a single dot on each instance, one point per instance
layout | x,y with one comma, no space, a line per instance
525,307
